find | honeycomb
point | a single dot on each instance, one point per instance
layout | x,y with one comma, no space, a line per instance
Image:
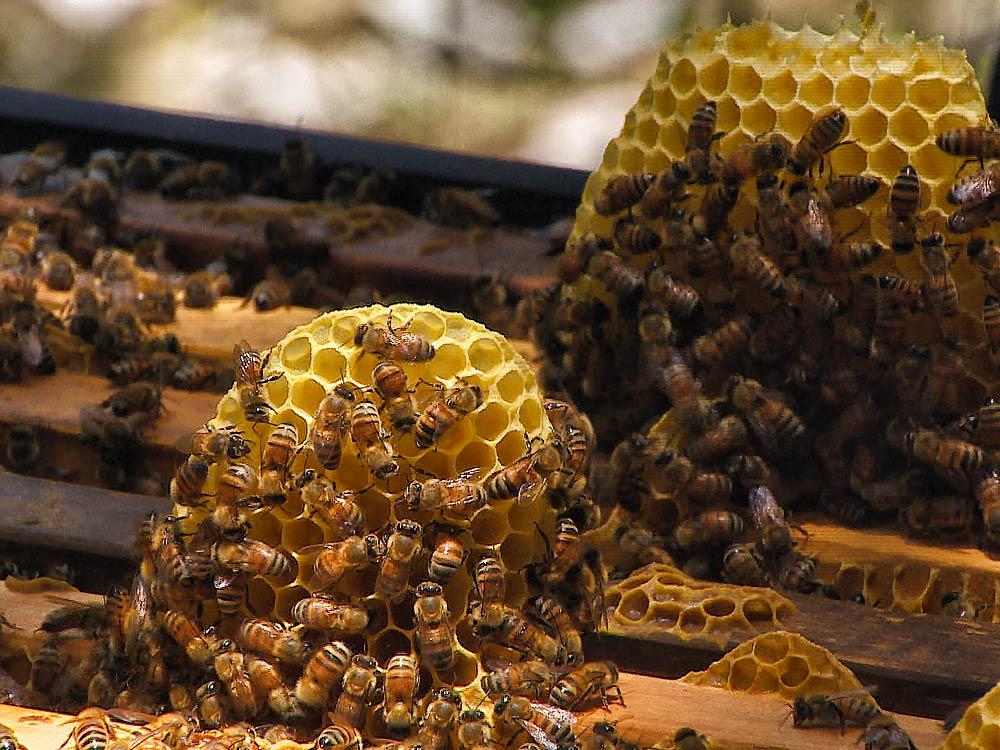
659,598
779,662
979,727
320,355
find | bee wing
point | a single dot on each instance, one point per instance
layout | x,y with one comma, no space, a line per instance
466,475
861,692
529,492
764,507
323,547
244,359
558,715
538,735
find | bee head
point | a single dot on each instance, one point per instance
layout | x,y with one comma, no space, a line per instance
359,335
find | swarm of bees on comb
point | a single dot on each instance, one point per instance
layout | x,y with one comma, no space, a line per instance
760,310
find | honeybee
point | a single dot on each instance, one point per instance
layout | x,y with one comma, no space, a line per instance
728,436
847,190
439,719
904,197
186,633
986,256
577,255
701,133
270,294
977,142
527,477
250,381
279,450
230,592
322,673
339,737
236,487
774,221
188,481
883,733
988,497
937,515
326,614
752,159
337,510
212,706
515,631
553,614
445,411
749,261
725,345
402,680
532,679
970,217
621,192
769,518
991,322
389,381
92,730
271,639
255,558
687,738
550,726
845,257
58,270
47,665
853,708
962,606
663,290
822,136
372,441
460,208
667,188
337,558
23,447
490,586
326,435
402,548
977,188
447,558
473,731
633,238
28,330
219,444
796,572
435,634
391,343
742,566
459,497
710,528
269,684
678,383
593,678
679,473
615,274
776,426
200,290
937,450
715,208
229,665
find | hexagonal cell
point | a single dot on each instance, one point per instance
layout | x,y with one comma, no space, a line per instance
466,670
664,102
770,648
795,671
888,92
260,597
869,126
517,550
489,527
887,159
342,330
634,605
306,394
744,83
759,117
934,164
475,455
435,463
908,126
631,159
742,674
800,59
728,115
672,137
383,646
793,121
491,420
929,95
852,92
266,528
300,533
297,354
610,159
448,361
780,89
750,40
330,364
683,76
276,392
719,607
849,158
647,132
965,94
816,91
713,77
530,415
284,600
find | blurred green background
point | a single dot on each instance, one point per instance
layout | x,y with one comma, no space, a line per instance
546,80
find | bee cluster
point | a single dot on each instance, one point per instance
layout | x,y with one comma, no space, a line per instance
790,374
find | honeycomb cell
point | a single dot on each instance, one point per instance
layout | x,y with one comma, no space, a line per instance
664,102
306,394
300,533
759,117
343,329
743,674
692,620
934,164
466,670
869,126
647,131
277,391
330,364
770,650
683,76
888,92
928,95
489,527
610,159
816,91
965,94
849,158
794,120
266,528
634,605
485,354
908,126
714,77
778,90
719,607
795,671
887,159
475,456
744,82
491,421
284,600
950,121
631,159
852,92
748,41
297,354
511,386
729,114
530,415
672,137
517,549
260,597
388,643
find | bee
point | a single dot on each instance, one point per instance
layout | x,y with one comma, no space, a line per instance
394,344
853,708
821,136
728,436
323,672
447,558
976,142
516,632
549,726
47,665
848,190
749,261
678,383
883,733
776,426
725,345
58,270
940,451
532,679
279,450
901,291
268,683
28,331
937,515
680,474
255,558
970,217
621,192
667,188
187,483
339,737
389,381
553,614
459,497
271,639
372,441
325,614
23,447
796,572
742,566
642,546
337,558
402,680
194,375
904,197
774,221
459,208
615,274
490,586
678,298
961,606
752,159
326,435
250,381
701,133
473,731
577,255
633,238
236,485
402,548
988,496
200,290
991,322
986,256
435,634
337,510
845,257
715,208
687,738
977,188
270,294
769,518
593,678
357,691
186,633
167,553
527,477
229,665
710,528
93,731
230,592
440,717
219,444
445,411
18,244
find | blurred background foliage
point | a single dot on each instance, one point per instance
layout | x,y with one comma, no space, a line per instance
546,80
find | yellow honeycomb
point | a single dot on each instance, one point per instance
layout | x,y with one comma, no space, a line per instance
778,662
659,598
317,356
979,728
